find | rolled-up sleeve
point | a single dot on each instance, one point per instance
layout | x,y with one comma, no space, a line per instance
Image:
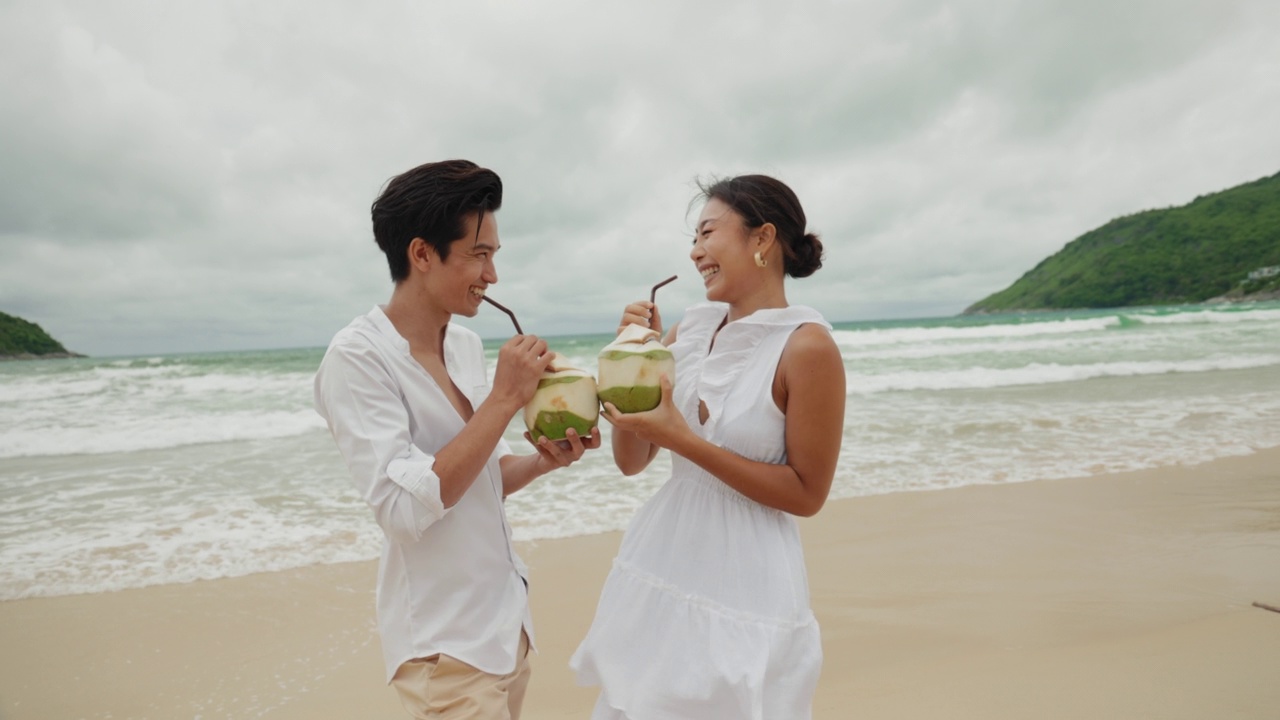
357,397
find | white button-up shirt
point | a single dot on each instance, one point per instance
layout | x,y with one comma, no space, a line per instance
449,580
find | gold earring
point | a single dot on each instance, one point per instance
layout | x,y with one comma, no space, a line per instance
761,262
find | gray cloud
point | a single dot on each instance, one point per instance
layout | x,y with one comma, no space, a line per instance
184,178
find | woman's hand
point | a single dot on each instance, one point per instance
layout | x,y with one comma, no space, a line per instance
553,454
642,313
663,426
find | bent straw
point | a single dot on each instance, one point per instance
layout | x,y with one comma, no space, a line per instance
654,292
510,314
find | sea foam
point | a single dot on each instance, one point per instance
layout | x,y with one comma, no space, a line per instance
1040,374
126,472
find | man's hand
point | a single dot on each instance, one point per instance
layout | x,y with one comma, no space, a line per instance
520,470
521,362
554,454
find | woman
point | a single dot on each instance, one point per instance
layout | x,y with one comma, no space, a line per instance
705,613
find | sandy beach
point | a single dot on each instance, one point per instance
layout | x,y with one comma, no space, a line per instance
1115,596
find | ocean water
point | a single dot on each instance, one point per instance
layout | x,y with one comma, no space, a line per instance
126,472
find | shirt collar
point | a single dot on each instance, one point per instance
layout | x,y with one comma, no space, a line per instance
382,323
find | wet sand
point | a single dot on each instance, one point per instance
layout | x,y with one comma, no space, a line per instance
1116,596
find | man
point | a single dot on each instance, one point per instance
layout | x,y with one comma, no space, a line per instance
407,399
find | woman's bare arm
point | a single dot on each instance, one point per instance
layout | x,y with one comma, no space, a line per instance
811,381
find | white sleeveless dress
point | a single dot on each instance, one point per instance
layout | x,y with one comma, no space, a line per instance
705,613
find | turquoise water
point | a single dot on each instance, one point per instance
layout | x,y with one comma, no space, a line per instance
123,472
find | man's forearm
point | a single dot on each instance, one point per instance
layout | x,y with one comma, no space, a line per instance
520,470
460,461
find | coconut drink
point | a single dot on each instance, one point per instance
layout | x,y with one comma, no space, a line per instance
630,369
565,398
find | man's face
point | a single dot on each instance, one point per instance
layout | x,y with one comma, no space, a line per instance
464,276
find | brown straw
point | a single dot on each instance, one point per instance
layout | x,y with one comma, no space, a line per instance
654,292
510,314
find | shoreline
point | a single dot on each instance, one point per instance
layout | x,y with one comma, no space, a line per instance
45,356
1118,595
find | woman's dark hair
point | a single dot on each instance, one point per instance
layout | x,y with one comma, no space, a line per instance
431,201
760,199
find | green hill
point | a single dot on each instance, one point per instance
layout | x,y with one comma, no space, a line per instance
1199,251
20,338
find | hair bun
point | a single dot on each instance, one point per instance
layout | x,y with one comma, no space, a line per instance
807,257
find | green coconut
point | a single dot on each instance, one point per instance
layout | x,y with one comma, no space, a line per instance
565,398
554,425
630,370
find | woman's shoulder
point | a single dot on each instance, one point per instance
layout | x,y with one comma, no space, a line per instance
812,335
811,342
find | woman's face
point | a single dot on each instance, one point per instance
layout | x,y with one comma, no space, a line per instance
722,252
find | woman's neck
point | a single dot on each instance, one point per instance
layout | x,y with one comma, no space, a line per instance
765,298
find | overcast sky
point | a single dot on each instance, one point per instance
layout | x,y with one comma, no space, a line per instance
197,176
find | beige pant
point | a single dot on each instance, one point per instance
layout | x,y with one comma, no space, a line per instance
442,688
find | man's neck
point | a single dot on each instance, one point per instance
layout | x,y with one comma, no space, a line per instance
417,319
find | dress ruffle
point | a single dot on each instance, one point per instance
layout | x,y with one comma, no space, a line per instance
755,662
